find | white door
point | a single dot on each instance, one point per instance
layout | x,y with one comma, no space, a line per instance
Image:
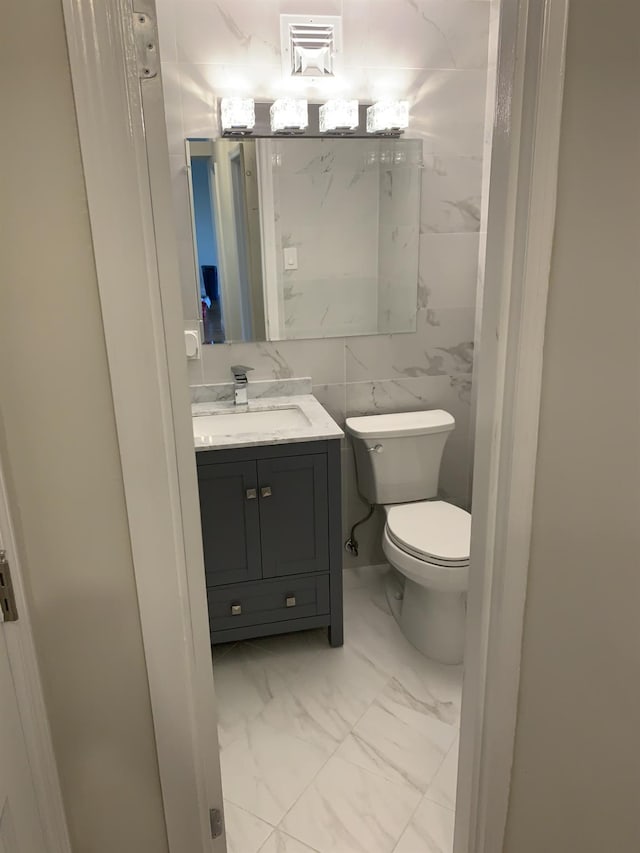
21,829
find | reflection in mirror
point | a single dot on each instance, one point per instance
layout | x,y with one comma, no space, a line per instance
305,238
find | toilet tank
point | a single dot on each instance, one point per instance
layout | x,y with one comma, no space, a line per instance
398,456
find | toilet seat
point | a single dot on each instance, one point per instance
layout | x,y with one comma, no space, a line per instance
435,532
437,576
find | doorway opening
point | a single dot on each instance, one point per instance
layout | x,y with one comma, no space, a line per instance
285,364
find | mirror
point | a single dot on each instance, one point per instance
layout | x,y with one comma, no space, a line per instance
305,238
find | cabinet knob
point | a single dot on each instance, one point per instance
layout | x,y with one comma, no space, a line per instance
265,492
290,601
236,609
252,494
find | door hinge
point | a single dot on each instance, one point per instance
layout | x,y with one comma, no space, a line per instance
217,822
8,609
146,38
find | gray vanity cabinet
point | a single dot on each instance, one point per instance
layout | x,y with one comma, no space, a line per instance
231,535
271,530
294,518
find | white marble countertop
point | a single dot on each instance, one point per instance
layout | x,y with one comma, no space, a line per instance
318,425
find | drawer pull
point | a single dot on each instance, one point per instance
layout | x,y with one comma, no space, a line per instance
265,492
290,601
252,494
236,609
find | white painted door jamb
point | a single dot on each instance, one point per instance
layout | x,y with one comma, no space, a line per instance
522,202
142,318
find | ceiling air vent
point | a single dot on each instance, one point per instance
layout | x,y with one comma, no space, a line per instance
310,45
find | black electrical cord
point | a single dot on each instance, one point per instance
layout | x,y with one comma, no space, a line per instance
351,545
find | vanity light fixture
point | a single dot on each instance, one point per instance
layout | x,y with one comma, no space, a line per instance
237,115
289,115
388,117
339,116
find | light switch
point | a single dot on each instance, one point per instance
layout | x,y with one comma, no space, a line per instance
291,258
192,344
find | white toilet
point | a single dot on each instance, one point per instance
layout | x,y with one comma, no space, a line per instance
426,540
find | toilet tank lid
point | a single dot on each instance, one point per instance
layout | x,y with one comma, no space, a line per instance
401,423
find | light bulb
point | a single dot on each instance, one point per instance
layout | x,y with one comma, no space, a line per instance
388,117
339,116
237,115
289,115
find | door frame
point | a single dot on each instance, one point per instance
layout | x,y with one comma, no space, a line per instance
136,261
142,322
508,371
30,697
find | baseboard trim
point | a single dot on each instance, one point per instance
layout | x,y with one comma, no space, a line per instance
366,568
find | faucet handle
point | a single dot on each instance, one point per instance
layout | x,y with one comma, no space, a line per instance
240,372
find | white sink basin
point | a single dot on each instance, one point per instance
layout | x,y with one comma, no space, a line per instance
249,421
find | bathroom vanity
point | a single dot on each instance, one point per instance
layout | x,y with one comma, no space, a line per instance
270,505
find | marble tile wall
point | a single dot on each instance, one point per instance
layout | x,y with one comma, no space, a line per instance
432,52
399,240
322,187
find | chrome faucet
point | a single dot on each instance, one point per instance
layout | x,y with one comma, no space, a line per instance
240,383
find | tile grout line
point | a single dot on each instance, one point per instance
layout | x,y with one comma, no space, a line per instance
264,656
332,755
304,791
215,660
287,835
255,717
448,752
407,824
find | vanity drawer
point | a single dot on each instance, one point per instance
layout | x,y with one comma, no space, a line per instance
267,601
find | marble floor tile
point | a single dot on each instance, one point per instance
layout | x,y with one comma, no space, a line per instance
317,740
299,642
366,576
245,832
435,692
280,842
326,700
264,770
384,744
443,787
373,633
430,830
221,650
244,684
349,809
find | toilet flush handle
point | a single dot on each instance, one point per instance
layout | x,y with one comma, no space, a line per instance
377,448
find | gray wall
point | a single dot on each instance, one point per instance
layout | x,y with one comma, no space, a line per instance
59,450
433,52
576,777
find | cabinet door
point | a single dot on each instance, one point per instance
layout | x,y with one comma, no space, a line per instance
294,515
230,522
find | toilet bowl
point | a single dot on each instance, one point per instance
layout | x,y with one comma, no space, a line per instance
426,540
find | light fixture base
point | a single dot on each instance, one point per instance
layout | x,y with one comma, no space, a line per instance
262,128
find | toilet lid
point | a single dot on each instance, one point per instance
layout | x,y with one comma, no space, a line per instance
435,531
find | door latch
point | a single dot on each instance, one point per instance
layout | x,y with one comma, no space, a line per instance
8,609
217,823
